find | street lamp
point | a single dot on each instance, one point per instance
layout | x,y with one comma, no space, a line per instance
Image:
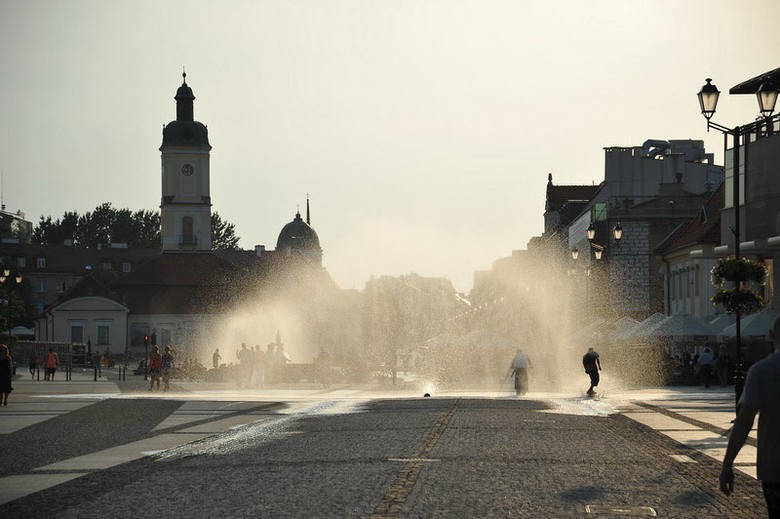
617,232
708,101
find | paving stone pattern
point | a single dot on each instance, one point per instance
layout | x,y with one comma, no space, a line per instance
454,458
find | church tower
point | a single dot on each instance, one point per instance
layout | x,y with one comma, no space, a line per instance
185,207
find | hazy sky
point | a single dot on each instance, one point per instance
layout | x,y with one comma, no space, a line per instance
423,130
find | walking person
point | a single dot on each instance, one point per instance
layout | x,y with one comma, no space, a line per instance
167,368
592,365
32,363
759,397
519,370
50,364
6,374
215,358
155,367
706,364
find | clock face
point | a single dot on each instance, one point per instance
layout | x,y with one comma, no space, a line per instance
187,170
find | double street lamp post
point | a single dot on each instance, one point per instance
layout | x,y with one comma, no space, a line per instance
708,101
596,250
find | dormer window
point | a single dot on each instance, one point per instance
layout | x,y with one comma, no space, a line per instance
126,267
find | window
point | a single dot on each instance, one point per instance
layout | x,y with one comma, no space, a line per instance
77,333
103,334
126,267
21,262
186,231
106,265
60,287
41,262
42,288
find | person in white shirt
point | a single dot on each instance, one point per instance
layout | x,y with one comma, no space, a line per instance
519,370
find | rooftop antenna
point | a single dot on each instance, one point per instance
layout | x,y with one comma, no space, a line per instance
2,200
184,74
308,220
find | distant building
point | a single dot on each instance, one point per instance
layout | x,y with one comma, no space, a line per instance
112,298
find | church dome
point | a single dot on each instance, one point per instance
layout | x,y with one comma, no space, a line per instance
298,235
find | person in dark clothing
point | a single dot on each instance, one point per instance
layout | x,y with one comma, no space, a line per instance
592,365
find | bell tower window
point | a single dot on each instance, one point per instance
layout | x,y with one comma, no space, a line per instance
187,237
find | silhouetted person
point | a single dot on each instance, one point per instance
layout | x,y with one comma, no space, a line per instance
592,365
167,368
155,368
50,364
706,363
215,358
762,387
6,374
519,370
32,363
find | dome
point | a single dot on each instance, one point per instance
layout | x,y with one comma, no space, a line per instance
298,235
186,133
184,92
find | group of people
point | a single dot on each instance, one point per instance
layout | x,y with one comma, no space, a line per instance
257,366
518,370
161,366
707,368
50,363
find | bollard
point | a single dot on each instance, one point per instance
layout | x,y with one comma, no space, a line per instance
38,372
94,367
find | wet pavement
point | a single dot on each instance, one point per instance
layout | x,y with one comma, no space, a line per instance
99,449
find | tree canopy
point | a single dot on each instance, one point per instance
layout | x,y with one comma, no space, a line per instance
106,224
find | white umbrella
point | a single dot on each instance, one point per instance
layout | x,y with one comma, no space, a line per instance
722,321
681,325
753,325
623,326
588,332
641,329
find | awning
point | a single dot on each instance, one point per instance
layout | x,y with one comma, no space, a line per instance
751,85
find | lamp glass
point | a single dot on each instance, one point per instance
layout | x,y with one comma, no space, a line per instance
617,232
767,98
18,278
591,232
598,253
708,98
575,253
6,272
2,279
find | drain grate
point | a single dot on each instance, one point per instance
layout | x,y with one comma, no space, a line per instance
628,511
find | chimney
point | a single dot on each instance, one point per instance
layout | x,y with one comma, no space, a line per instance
259,250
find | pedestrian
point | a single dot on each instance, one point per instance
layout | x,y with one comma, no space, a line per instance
6,374
155,366
246,358
706,363
32,363
592,365
215,358
519,370
50,364
759,396
167,368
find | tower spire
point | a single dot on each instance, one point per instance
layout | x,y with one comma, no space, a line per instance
308,219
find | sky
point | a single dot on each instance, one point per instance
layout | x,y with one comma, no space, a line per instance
423,131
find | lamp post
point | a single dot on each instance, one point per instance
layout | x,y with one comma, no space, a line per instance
708,101
596,251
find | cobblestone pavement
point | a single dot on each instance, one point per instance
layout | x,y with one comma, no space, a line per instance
336,454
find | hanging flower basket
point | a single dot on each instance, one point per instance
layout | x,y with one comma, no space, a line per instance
737,270
743,301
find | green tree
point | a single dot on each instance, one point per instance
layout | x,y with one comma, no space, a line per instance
223,234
